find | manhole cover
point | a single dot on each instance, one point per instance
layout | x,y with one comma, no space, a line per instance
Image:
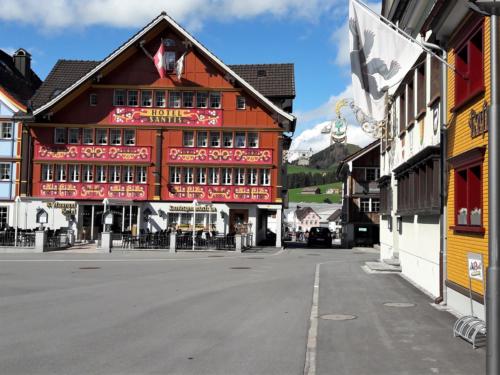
240,268
314,255
90,268
254,258
338,317
216,256
399,304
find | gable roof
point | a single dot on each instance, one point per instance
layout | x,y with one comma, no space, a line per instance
63,75
335,215
19,87
271,80
311,188
301,213
356,155
136,38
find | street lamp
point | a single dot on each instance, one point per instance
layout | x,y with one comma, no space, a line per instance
492,9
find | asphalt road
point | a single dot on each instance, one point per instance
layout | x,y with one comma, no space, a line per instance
218,313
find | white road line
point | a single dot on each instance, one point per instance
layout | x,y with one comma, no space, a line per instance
312,337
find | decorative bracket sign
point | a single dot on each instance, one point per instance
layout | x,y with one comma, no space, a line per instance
220,156
199,117
67,190
478,121
220,193
92,153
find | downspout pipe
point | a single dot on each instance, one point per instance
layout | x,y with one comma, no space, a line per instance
442,175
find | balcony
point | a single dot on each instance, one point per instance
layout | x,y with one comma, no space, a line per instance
197,155
82,190
366,187
220,193
92,153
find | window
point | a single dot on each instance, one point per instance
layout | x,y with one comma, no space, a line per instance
188,99
372,174
214,139
93,99
170,60
215,100
240,176
74,173
101,136
468,190
253,140
469,63
4,216
141,173
201,139
201,99
188,176
435,79
213,176
88,136
375,205
60,135
47,172
188,139
174,99
119,97
114,173
201,176
160,98
364,205
252,176
411,103
129,137
240,140
147,98
101,173
402,113
265,177
6,131
115,136
60,172
240,102
227,174
133,98
227,139
88,173
421,89
175,175
128,172
74,136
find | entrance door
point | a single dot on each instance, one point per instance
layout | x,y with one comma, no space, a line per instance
236,218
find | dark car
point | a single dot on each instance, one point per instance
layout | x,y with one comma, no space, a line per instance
319,236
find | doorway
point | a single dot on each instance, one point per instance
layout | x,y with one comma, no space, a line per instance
238,220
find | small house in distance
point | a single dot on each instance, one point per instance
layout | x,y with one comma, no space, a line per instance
311,190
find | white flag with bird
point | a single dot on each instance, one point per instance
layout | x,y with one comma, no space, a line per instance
380,59
179,65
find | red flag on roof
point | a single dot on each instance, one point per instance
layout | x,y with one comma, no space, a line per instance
159,60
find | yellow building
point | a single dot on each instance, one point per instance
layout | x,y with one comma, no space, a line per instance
467,132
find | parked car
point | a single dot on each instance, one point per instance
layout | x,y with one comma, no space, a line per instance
319,236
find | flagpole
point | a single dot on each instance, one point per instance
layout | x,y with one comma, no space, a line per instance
408,36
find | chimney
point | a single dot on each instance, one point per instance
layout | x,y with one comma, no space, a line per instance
22,62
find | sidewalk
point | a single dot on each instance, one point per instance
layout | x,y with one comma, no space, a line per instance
385,340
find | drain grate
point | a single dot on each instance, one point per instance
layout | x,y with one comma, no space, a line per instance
338,317
240,268
216,256
399,304
90,268
255,258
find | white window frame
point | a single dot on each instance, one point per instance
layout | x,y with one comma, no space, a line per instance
87,173
218,139
60,173
144,95
175,175
141,174
201,99
188,176
115,141
203,137
7,134
62,140
230,143
97,137
240,176
174,99
236,144
128,174
93,99
74,130
201,176
227,176
160,94
4,216
253,135
362,205
241,102
188,138
127,140
115,174
47,172
265,177
213,103
253,176
86,131
213,176
74,173
131,103
101,174
185,95
170,60
119,97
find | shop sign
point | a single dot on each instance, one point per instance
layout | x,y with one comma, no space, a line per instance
221,156
201,208
475,266
221,193
204,117
67,208
478,122
93,191
92,153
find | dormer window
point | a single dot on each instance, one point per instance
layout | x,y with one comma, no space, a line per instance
93,100
170,60
169,42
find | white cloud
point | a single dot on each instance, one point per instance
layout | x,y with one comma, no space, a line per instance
340,38
63,14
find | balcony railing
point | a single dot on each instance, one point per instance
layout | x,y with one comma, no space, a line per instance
365,187
253,156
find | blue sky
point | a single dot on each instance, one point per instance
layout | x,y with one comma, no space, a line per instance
310,33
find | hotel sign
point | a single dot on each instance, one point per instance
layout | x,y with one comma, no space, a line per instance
92,153
220,156
478,121
67,190
202,117
221,193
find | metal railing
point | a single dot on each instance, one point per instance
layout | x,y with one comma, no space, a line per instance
57,241
146,241
217,242
24,238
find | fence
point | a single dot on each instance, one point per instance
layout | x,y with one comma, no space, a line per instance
24,238
146,241
56,241
217,242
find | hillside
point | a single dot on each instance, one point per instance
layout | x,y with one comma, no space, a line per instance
294,195
331,156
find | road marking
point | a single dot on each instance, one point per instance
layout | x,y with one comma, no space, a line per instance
312,337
